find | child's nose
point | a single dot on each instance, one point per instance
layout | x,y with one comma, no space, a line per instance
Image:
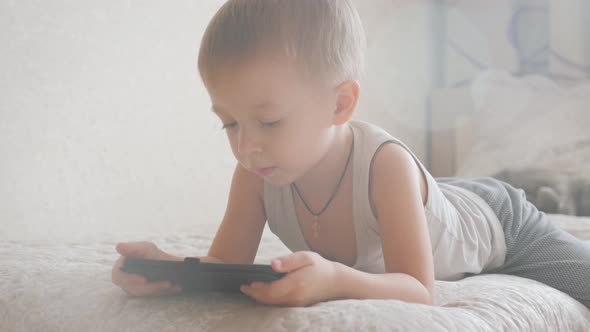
248,143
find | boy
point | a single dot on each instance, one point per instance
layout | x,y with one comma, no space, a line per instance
361,213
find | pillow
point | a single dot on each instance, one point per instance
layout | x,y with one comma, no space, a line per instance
551,191
528,122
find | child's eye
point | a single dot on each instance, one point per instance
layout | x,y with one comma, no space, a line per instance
229,125
271,124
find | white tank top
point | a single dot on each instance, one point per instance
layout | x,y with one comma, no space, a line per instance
465,234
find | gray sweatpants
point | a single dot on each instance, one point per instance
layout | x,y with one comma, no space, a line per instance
536,248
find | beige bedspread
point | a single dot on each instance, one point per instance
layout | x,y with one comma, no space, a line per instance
66,286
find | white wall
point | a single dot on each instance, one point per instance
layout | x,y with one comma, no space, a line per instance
105,126
400,67
104,123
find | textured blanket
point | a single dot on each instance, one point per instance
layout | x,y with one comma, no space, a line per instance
66,286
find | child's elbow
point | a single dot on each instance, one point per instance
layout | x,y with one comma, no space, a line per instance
429,297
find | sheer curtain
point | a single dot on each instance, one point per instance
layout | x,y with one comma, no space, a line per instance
549,37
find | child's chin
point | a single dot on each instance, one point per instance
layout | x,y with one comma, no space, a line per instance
277,181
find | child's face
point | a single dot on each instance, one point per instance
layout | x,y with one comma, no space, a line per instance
278,125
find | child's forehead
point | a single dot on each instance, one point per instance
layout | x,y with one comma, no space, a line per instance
261,81
264,106
266,66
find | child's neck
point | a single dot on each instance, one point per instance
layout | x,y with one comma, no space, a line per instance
323,177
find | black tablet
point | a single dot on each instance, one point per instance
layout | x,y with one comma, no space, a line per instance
194,275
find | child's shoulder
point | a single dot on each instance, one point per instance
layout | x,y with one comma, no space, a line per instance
372,136
368,128
393,163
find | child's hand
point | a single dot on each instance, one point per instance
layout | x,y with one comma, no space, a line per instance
310,280
134,284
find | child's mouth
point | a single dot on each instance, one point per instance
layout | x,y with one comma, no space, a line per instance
267,171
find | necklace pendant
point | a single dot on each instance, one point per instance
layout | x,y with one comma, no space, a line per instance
315,227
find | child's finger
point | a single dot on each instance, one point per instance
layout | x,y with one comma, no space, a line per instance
146,289
117,275
141,249
175,289
132,280
121,278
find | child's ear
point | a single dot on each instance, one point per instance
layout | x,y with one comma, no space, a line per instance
347,96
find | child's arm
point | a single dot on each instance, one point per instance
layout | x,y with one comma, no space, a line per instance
236,240
239,234
355,284
398,202
398,194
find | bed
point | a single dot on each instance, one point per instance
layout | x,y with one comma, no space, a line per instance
65,284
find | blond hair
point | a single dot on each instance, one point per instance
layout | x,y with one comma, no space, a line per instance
325,37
